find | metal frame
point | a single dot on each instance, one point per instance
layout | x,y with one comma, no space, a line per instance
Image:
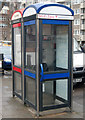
12,59
22,61
2,67
69,79
38,54
38,85
25,69
37,67
70,65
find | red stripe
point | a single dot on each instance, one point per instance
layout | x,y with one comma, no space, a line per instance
17,25
17,69
21,12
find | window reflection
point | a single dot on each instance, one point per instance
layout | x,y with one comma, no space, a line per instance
30,47
17,46
55,47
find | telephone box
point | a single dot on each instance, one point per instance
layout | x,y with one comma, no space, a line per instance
42,56
17,52
48,56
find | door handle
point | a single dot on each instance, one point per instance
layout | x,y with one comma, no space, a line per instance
41,73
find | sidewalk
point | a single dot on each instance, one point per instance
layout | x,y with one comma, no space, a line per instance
14,108
0,98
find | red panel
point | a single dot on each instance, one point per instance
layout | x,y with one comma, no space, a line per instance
17,69
21,12
17,25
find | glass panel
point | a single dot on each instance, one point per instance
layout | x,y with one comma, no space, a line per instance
17,83
17,47
61,88
55,47
30,90
62,47
55,92
30,47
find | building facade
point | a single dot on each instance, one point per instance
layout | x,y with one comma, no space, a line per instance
79,18
82,20
29,2
4,24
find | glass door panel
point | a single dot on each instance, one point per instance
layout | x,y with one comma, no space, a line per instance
17,46
62,47
30,67
17,61
55,64
55,47
55,92
17,83
62,88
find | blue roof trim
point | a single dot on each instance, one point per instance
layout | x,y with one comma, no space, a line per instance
35,6
57,22
39,6
46,5
29,7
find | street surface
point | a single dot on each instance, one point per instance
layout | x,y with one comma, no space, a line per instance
13,107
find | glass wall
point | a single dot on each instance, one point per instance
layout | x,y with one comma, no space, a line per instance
17,46
17,83
55,59
55,47
30,90
30,47
55,92
17,60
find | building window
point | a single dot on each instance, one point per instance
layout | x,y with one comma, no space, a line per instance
83,21
77,1
0,25
82,1
3,18
83,32
76,22
0,18
76,32
4,11
82,10
76,11
4,25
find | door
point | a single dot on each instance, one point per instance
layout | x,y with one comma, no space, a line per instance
17,66
30,63
54,64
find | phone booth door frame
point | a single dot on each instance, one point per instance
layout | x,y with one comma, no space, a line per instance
53,76
16,66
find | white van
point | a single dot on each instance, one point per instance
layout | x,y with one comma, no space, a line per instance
78,63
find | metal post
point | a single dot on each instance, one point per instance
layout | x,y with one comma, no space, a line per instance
37,65
71,64
2,64
22,49
12,59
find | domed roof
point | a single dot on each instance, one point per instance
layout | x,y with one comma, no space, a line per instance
51,8
17,14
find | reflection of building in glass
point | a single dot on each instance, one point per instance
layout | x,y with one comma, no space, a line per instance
30,47
4,24
79,18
